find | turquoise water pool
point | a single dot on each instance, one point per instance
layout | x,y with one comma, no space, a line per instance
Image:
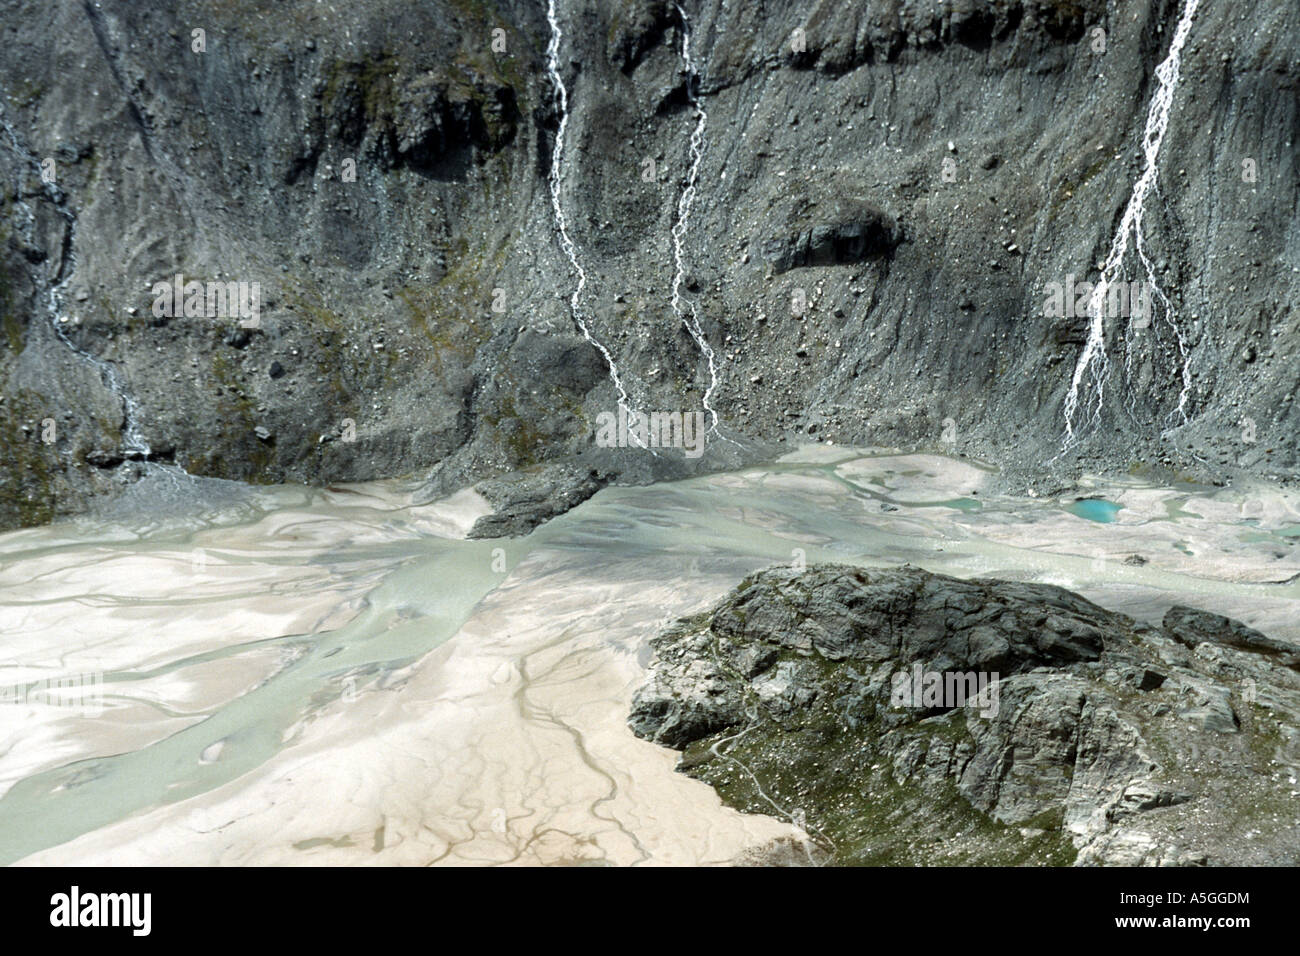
1094,509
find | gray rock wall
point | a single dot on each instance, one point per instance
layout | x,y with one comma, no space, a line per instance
914,175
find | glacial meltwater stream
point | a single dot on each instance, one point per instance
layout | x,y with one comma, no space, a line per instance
330,676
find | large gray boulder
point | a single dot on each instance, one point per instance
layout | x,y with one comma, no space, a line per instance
1093,738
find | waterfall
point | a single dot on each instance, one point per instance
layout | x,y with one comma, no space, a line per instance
1093,357
561,222
685,311
134,444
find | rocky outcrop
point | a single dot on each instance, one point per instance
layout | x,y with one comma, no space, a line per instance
854,233
1094,739
523,501
1194,628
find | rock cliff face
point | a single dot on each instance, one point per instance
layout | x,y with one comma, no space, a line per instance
1058,732
887,193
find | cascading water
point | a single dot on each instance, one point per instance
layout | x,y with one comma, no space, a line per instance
134,444
1093,357
561,222
685,310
